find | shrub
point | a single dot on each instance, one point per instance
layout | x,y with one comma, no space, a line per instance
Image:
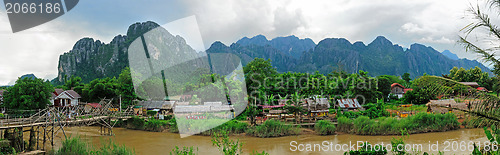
173,125
324,127
419,123
184,151
273,128
73,146
344,124
112,148
77,146
230,127
156,125
136,123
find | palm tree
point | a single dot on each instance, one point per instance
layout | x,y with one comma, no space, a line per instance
474,40
294,106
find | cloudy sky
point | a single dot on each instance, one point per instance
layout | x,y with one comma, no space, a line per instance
404,22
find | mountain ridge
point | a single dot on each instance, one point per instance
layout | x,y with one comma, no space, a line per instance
91,59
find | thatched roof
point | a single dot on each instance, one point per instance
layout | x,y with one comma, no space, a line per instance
444,106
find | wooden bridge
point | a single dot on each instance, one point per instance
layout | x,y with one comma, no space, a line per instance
47,123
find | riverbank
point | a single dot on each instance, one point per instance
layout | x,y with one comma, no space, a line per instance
144,142
419,123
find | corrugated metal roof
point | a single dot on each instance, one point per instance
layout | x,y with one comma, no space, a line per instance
156,104
201,108
348,103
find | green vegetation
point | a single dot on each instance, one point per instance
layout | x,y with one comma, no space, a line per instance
493,136
324,127
230,127
28,94
149,125
98,89
77,146
264,83
226,145
428,88
184,151
272,128
419,123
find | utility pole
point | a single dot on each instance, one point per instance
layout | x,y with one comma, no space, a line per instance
120,103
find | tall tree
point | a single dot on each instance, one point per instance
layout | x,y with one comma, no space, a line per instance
384,86
256,71
72,83
126,87
28,94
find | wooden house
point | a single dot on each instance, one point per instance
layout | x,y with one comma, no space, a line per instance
399,90
61,98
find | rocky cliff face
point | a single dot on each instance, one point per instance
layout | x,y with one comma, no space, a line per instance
91,59
379,57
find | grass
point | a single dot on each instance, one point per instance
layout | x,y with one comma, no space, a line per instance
324,127
76,146
419,123
273,128
230,127
344,124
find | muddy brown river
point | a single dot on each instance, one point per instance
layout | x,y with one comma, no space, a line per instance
143,142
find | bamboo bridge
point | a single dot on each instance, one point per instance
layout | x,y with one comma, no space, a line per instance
44,125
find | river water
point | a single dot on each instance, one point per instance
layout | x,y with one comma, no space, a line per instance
145,142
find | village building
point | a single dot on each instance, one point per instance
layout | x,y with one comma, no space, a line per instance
472,84
272,111
217,109
482,89
89,106
350,104
61,98
163,107
318,107
399,90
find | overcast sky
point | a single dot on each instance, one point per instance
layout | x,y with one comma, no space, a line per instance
433,23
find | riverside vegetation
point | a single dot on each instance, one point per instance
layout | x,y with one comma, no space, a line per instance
419,123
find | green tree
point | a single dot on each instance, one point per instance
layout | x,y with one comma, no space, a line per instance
256,71
384,86
294,106
72,83
126,87
486,47
28,94
99,89
406,77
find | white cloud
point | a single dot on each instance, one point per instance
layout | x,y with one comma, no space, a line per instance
442,40
402,21
35,50
434,23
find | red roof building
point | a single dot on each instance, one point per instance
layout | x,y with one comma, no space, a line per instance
482,89
399,90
